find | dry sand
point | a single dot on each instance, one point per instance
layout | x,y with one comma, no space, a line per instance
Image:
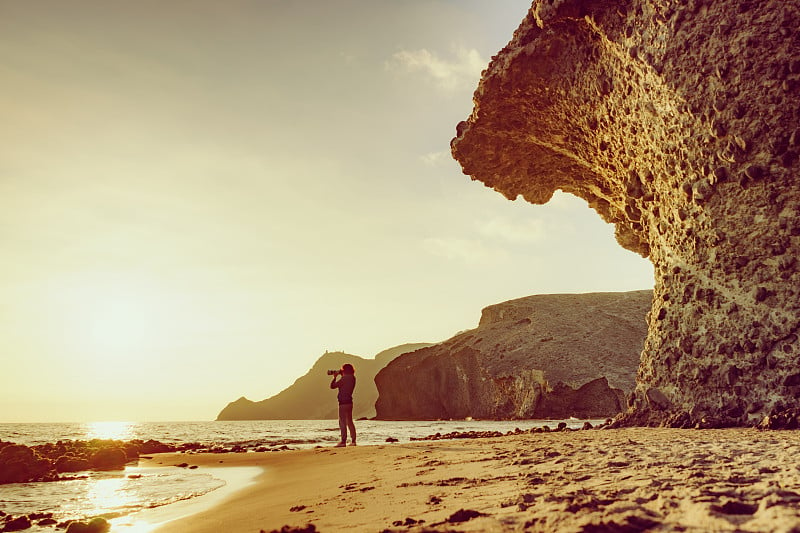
621,480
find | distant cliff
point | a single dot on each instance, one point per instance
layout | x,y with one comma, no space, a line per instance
546,356
310,397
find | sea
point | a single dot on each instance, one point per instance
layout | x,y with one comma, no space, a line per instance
119,495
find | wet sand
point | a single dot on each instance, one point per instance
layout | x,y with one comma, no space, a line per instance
598,480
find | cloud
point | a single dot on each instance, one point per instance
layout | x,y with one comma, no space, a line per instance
435,159
470,251
463,71
493,241
514,232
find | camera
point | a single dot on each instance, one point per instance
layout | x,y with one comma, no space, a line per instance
333,372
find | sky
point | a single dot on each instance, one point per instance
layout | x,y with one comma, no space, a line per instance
200,198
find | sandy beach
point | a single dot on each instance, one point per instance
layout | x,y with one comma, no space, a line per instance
638,479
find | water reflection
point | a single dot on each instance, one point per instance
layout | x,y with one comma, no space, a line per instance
110,430
114,494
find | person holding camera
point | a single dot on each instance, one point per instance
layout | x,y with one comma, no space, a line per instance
346,384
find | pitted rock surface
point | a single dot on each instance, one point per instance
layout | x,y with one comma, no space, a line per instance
679,123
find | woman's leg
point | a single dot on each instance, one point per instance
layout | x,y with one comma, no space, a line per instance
352,427
343,422
350,424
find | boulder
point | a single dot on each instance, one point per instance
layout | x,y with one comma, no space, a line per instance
69,463
154,446
19,523
109,459
19,464
95,525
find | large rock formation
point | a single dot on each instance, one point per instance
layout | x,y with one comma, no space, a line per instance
546,356
310,397
679,123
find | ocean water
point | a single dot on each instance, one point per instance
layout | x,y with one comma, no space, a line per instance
117,494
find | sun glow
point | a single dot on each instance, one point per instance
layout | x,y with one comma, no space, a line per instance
113,314
109,430
104,318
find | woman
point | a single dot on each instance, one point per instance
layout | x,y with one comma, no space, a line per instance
345,385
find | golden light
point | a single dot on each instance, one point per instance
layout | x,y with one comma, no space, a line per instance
105,319
109,495
114,315
109,430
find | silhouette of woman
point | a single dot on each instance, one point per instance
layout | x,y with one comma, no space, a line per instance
345,385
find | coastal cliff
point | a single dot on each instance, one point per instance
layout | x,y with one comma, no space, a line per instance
310,397
678,123
544,356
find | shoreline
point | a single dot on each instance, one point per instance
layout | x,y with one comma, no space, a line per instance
236,478
628,479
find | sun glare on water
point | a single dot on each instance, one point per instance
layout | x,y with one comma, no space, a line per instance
109,430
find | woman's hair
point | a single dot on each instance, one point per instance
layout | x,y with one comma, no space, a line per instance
347,368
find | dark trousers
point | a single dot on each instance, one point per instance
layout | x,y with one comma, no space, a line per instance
346,421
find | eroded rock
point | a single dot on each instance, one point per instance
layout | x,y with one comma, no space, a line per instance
544,356
676,122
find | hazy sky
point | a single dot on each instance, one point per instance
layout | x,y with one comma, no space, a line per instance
199,198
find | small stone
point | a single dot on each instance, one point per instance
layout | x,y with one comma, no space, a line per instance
754,172
463,515
735,508
18,524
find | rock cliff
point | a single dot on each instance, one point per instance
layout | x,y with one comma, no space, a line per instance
310,397
545,356
679,123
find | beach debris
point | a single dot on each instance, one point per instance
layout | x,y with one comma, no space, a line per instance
522,502
308,528
734,507
462,435
632,523
463,515
408,522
